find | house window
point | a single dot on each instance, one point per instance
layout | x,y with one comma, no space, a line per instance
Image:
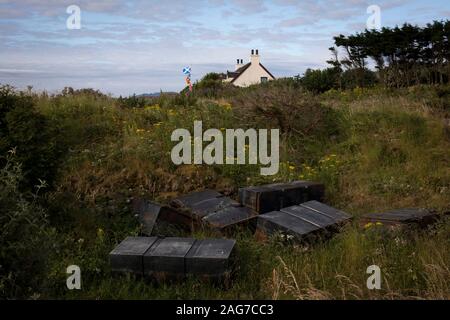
263,79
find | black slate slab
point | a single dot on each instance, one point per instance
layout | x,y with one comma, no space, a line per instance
323,209
272,197
301,220
167,256
276,221
194,198
203,208
128,255
210,257
406,216
148,213
213,209
262,199
152,214
307,215
229,217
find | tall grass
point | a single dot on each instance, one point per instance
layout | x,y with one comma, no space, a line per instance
374,149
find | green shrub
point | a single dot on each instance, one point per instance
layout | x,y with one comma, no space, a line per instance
319,81
24,237
132,102
23,128
211,86
359,77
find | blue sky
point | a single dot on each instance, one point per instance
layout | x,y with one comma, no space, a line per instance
126,47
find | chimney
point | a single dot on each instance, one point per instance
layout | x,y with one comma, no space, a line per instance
254,58
238,64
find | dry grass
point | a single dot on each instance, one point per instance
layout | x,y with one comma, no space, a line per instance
374,151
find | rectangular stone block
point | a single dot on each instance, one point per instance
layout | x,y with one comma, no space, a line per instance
173,258
315,190
276,221
152,214
207,207
167,255
148,213
194,198
309,216
301,220
406,216
230,216
213,209
128,255
272,197
337,215
211,257
262,199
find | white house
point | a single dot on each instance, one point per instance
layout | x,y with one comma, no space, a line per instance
251,73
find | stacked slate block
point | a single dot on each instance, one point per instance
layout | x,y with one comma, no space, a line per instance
280,207
276,196
213,209
164,258
292,209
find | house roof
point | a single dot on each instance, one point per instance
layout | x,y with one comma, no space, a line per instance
267,70
236,74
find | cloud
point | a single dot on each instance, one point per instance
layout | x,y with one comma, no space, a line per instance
141,45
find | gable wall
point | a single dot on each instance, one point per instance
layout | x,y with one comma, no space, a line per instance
252,75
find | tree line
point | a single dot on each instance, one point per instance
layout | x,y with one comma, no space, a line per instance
402,56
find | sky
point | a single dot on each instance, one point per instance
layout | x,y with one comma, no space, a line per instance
141,46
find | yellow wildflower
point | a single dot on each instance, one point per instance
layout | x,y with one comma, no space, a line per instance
227,106
100,233
368,225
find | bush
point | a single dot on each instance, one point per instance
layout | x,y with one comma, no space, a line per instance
132,102
291,110
354,78
28,132
23,237
211,86
319,81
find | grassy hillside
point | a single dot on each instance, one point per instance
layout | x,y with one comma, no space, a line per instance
374,149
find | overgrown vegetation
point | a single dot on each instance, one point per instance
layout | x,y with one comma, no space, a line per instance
25,236
33,136
374,148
